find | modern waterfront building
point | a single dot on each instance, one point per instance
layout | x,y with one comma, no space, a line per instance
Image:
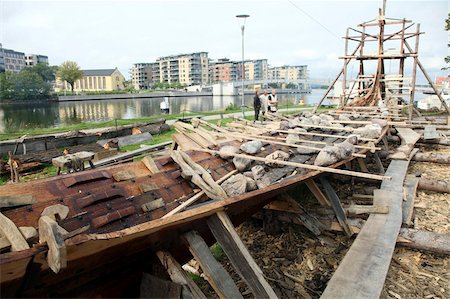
141,75
225,70
188,69
2,59
95,80
33,59
288,72
14,61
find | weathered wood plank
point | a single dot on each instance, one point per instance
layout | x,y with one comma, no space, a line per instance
362,272
16,200
336,205
219,279
178,275
12,233
411,184
312,186
225,234
150,164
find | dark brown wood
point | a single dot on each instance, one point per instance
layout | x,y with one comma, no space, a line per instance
243,263
312,186
154,287
336,205
216,275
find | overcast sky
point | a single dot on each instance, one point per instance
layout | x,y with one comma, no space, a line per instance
108,34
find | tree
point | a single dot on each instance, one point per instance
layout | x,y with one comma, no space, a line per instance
22,86
69,71
45,71
447,28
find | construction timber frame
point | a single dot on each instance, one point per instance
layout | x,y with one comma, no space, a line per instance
380,40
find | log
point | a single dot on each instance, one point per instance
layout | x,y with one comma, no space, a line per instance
432,157
408,237
432,185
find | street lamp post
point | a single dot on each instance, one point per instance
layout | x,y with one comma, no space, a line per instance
242,19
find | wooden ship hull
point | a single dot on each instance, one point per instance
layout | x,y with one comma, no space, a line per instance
109,237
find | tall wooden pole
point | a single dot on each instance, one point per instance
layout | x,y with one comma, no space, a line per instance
414,75
344,79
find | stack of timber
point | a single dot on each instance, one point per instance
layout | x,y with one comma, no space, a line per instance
87,221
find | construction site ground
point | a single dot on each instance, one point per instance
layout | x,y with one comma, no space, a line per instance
297,264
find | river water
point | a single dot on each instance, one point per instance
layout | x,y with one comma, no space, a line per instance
14,117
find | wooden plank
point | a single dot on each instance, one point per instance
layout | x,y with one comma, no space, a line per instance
16,200
150,164
312,186
12,233
366,209
408,136
26,231
219,279
362,272
225,234
430,132
336,205
411,184
50,234
198,195
362,165
178,275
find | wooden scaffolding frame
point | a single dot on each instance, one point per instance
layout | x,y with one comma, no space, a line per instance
368,89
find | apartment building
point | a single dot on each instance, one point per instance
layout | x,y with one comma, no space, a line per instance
253,69
33,59
288,72
223,70
189,69
95,80
2,59
141,75
14,61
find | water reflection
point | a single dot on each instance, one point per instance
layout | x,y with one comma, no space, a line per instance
16,117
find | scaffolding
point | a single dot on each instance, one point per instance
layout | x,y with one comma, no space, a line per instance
379,41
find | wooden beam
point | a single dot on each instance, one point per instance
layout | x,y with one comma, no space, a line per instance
50,233
150,164
300,165
219,279
16,200
197,196
225,234
178,275
12,233
26,231
312,186
336,205
411,184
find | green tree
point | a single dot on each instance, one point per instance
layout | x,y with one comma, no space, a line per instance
70,72
47,72
447,28
23,86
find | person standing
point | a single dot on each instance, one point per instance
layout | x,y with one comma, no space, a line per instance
256,104
264,103
272,101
